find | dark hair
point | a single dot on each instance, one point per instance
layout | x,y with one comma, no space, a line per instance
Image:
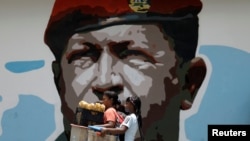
136,101
112,95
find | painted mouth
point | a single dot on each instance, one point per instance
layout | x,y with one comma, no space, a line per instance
99,91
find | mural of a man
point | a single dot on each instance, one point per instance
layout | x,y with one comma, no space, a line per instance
112,45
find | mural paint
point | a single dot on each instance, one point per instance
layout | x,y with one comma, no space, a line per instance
24,109
109,46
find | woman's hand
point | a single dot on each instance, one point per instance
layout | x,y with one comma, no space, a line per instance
103,131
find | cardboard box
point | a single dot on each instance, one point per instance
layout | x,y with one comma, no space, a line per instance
78,133
93,136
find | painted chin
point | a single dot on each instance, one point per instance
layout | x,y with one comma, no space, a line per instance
89,96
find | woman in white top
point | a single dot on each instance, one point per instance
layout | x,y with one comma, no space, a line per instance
131,123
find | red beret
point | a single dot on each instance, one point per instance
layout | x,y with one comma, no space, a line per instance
117,7
111,8
70,16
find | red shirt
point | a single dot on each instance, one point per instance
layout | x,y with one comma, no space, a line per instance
111,115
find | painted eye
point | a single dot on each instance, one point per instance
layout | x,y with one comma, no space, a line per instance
122,51
89,51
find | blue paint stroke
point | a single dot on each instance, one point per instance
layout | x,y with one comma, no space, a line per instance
1,98
32,119
227,96
24,66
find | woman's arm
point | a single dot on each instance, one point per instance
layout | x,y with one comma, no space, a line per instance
109,124
114,131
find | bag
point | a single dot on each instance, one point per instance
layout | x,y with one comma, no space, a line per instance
120,118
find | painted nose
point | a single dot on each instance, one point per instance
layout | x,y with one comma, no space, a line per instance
105,68
108,78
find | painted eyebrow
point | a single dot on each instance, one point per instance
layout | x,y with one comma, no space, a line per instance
78,53
121,50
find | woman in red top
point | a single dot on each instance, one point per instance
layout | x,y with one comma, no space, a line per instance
111,117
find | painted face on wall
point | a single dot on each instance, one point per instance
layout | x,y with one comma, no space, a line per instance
125,58
150,60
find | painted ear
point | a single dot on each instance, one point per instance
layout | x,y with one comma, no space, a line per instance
57,72
194,78
56,68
